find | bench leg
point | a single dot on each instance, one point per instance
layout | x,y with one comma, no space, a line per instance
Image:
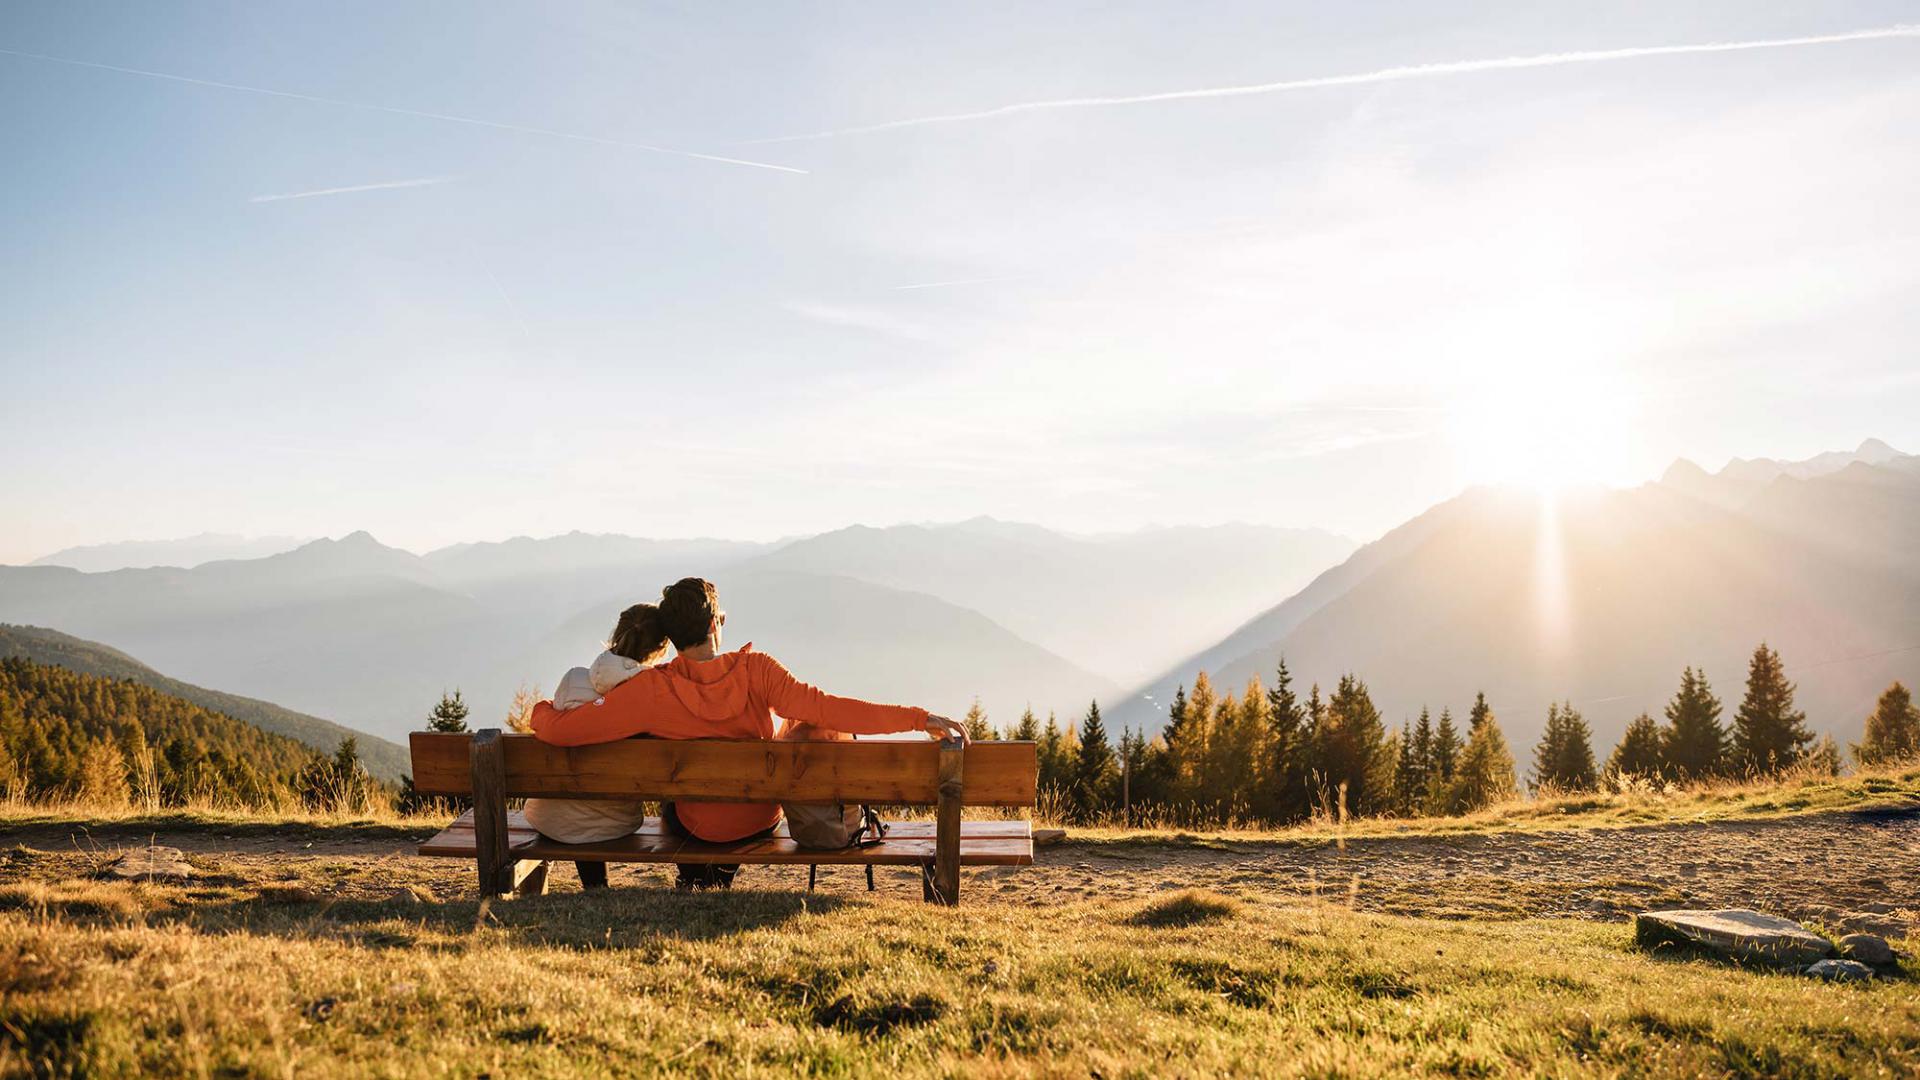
944,881
489,763
869,877
813,874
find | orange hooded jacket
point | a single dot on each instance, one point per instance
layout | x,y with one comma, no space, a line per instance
733,696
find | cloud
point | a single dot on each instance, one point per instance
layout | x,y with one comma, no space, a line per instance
867,319
450,118
1383,75
387,185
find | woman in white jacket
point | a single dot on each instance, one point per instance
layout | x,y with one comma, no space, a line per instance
638,642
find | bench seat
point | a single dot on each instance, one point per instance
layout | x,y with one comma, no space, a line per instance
907,843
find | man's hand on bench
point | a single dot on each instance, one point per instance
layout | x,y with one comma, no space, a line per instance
942,728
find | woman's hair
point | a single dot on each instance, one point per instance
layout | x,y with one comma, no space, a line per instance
639,634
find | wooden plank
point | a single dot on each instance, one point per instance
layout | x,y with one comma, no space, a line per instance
879,771
909,843
946,849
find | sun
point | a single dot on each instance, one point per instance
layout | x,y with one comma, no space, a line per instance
1540,426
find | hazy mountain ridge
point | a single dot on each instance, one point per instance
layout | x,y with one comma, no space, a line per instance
1121,605
353,629
383,759
1820,563
185,552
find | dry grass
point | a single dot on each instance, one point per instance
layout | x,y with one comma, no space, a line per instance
1637,804
113,979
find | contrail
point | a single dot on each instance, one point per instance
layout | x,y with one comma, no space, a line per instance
1383,75
397,111
425,181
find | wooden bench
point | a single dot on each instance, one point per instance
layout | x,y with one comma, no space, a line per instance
491,768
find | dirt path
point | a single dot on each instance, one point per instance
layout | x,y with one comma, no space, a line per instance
1847,871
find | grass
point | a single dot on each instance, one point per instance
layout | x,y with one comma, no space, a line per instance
117,979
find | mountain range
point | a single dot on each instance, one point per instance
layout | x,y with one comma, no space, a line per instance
371,635
1602,597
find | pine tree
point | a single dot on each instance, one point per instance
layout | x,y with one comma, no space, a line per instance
1053,756
1479,714
1769,734
1351,741
1893,730
1564,758
1446,741
1639,754
1189,756
1094,768
449,715
976,723
1695,743
1485,775
1408,787
1028,729
1822,757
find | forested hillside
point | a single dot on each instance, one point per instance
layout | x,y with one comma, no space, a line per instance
384,760
63,732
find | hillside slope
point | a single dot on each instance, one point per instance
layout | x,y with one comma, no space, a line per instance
1602,599
385,760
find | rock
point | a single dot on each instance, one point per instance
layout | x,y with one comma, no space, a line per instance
152,864
1736,932
1840,971
1860,922
1048,837
1866,948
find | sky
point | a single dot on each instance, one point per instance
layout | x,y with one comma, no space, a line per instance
452,272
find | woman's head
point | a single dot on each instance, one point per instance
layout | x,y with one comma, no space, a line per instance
639,635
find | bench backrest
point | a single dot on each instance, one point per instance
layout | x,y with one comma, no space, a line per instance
724,770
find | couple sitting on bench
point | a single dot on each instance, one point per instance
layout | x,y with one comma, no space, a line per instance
701,694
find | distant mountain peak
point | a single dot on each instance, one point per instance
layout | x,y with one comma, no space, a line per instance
1681,471
1876,452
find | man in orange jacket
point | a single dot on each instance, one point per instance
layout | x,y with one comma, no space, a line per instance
705,694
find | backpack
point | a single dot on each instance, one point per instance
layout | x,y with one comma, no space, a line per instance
828,826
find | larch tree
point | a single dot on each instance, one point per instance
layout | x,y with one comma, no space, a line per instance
1028,729
1769,734
1893,729
978,729
1486,773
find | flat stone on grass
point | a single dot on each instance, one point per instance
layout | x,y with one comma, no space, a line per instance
1840,971
152,864
1735,933
1866,948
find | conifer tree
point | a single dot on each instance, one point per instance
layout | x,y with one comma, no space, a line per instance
1408,788
1350,746
1639,753
1479,714
1893,729
1283,799
1189,757
1094,770
449,715
1423,750
1769,734
1028,729
1564,758
1485,774
103,776
1694,741
976,723
1445,757
1053,758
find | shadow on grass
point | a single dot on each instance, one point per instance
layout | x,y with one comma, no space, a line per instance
137,830
600,919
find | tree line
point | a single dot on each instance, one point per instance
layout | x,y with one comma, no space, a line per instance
1265,754
113,742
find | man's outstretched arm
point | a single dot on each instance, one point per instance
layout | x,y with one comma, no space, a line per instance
800,702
